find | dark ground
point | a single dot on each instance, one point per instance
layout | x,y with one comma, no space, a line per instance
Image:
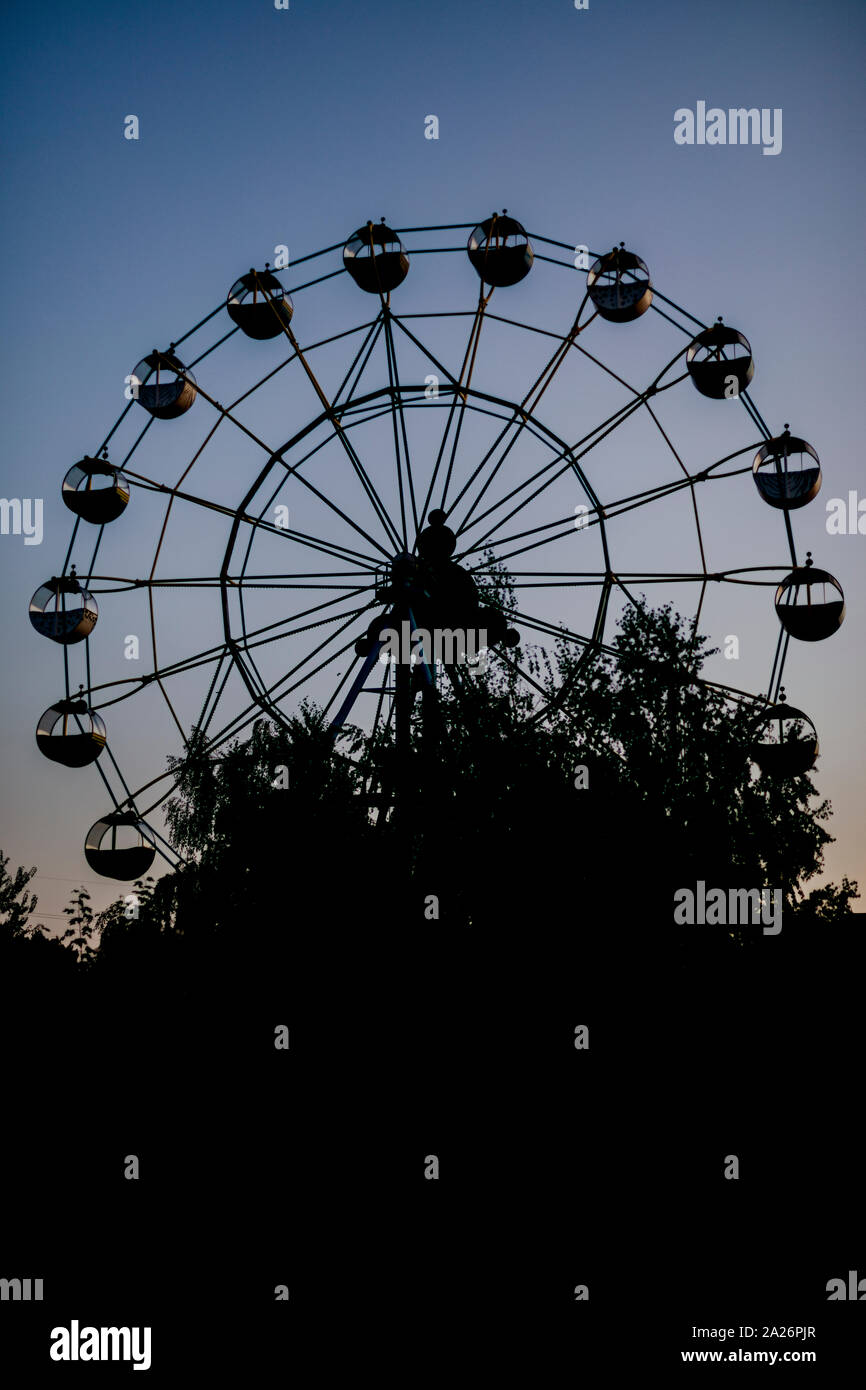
558,1167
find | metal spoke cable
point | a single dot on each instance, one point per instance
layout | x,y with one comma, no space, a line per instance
457,386
397,396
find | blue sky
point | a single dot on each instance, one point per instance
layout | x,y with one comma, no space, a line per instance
261,127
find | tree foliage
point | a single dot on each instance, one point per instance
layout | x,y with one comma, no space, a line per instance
17,905
639,782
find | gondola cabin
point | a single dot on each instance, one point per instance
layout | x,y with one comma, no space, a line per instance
96,491
784,740
259,305
619,286
499,250
810,603
162,385
375,258
71,734
720,363
119,846
62,611
787,472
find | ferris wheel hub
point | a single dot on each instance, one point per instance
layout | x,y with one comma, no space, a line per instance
436,595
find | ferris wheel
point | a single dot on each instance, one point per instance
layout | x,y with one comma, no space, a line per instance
394,482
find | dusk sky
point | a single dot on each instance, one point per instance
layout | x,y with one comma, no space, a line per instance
261,127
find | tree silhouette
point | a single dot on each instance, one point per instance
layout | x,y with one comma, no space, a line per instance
16,904
27,952
82,927
684,749
576,830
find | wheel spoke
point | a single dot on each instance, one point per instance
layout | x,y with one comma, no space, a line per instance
351,453
402,438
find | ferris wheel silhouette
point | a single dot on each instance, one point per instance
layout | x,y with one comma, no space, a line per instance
417,492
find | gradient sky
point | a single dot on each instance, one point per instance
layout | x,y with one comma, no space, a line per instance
260,127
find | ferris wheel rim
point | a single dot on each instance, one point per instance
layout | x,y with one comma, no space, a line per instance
608,579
